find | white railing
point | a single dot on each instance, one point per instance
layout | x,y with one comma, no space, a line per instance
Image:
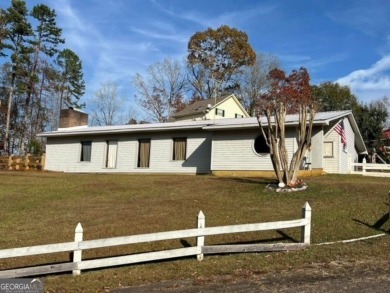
78,245
368,169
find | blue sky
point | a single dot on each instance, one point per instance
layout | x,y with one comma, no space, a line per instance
345,41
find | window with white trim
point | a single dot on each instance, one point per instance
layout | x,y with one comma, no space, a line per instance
328,149
86,150
143,153
220,112
179,148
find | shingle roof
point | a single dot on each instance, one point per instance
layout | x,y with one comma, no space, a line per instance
127,128
199,106
228,123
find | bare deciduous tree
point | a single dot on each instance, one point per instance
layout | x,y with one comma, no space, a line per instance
161,91
108,106
254,81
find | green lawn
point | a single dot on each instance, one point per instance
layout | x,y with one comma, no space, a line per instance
42,208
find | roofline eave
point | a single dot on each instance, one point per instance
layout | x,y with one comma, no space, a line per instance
248,126
115,131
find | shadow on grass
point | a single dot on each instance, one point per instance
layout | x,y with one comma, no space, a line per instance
283,237
258,180
378,224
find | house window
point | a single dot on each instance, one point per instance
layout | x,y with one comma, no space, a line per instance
111,153
238,116
86,149
179,148
220,112
143,153
260,145
328,149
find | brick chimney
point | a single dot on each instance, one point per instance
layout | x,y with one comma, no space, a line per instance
72,118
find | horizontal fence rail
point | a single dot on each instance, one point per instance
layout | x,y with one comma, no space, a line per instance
199,250
368,169
22,163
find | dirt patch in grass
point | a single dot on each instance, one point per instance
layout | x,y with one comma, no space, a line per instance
43,208
318,277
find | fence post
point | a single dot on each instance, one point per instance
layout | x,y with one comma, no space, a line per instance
306,229
43,158
364,165
78,236
26,162
349,164
200,239
10,162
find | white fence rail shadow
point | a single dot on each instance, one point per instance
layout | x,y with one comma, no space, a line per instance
78,245
368,169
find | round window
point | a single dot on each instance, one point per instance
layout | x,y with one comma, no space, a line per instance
261,146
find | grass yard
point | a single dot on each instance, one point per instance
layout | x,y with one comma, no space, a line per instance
43,208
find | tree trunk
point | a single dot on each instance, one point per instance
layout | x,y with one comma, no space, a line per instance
304,141
8,122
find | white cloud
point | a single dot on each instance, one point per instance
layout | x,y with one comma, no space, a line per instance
160,36
203,19
370,83
373,75
77,31
105,56
369,17
295,61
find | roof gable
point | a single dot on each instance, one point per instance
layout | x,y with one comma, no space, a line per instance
198,107
204,106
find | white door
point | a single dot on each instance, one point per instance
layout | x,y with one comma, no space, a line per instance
112,149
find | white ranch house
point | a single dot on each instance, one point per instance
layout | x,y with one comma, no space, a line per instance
231,146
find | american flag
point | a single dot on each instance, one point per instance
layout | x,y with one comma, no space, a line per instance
340,130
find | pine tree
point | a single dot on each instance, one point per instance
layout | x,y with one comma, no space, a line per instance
18,30
71,85
47,36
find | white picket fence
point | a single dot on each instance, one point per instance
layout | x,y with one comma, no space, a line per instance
367,169
78,245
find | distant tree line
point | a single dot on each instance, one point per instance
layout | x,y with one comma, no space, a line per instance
371,117
37,78
221,61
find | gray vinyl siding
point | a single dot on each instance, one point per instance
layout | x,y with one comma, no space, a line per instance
63,154
234,150
331,164
341,155
348,154
315,155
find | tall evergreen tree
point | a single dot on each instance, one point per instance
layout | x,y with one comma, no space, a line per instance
3,31
371,120
35,80
47,36
71,85
18,30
